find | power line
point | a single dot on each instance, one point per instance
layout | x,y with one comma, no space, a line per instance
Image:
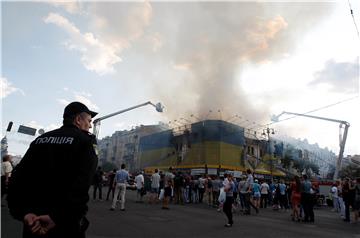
352,14
318,109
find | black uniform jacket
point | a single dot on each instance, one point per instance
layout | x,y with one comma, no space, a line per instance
54,176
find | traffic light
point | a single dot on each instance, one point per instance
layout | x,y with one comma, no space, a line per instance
9,126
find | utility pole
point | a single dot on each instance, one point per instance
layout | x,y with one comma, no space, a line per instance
268,131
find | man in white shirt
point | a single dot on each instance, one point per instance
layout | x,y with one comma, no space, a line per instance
264,189
139,180
249,184
335,198
155,185
202,182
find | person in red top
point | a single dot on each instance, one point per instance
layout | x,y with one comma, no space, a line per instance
296,197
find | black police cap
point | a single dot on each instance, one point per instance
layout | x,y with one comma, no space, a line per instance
75,108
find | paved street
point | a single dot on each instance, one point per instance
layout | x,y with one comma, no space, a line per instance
196,220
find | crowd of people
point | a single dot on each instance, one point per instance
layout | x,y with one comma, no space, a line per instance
57,206
244,194
345,195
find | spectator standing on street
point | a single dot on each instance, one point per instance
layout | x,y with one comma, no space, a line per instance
264,189
98,183
121,178
296,198
49,188
340,198
227,208
277,196
352,194
272,189
168,188
139,180
283,195
6,169
194,189
356,208
248,196
202,181
155,185
307,200
335,198
242,192
256,194
216,190
348,197
187,192
179,188
209,190
111,178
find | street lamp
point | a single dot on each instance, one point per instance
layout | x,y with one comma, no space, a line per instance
267,132
192,115
159,107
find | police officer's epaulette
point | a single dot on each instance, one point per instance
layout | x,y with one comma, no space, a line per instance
94,142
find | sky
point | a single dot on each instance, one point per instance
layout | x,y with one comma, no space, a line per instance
237,61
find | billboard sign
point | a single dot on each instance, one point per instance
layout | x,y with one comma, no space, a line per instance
27,130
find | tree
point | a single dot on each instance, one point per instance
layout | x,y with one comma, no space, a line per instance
331,172
108,166
350,171
286,161
288,156
314,167
300,165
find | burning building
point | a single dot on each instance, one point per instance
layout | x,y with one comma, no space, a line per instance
209,144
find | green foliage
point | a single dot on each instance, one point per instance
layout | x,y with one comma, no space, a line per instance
286,161
314,167
350,171
301,164
330,174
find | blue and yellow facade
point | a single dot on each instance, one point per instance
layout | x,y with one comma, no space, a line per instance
209,143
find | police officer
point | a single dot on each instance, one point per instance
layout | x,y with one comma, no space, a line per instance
49,187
